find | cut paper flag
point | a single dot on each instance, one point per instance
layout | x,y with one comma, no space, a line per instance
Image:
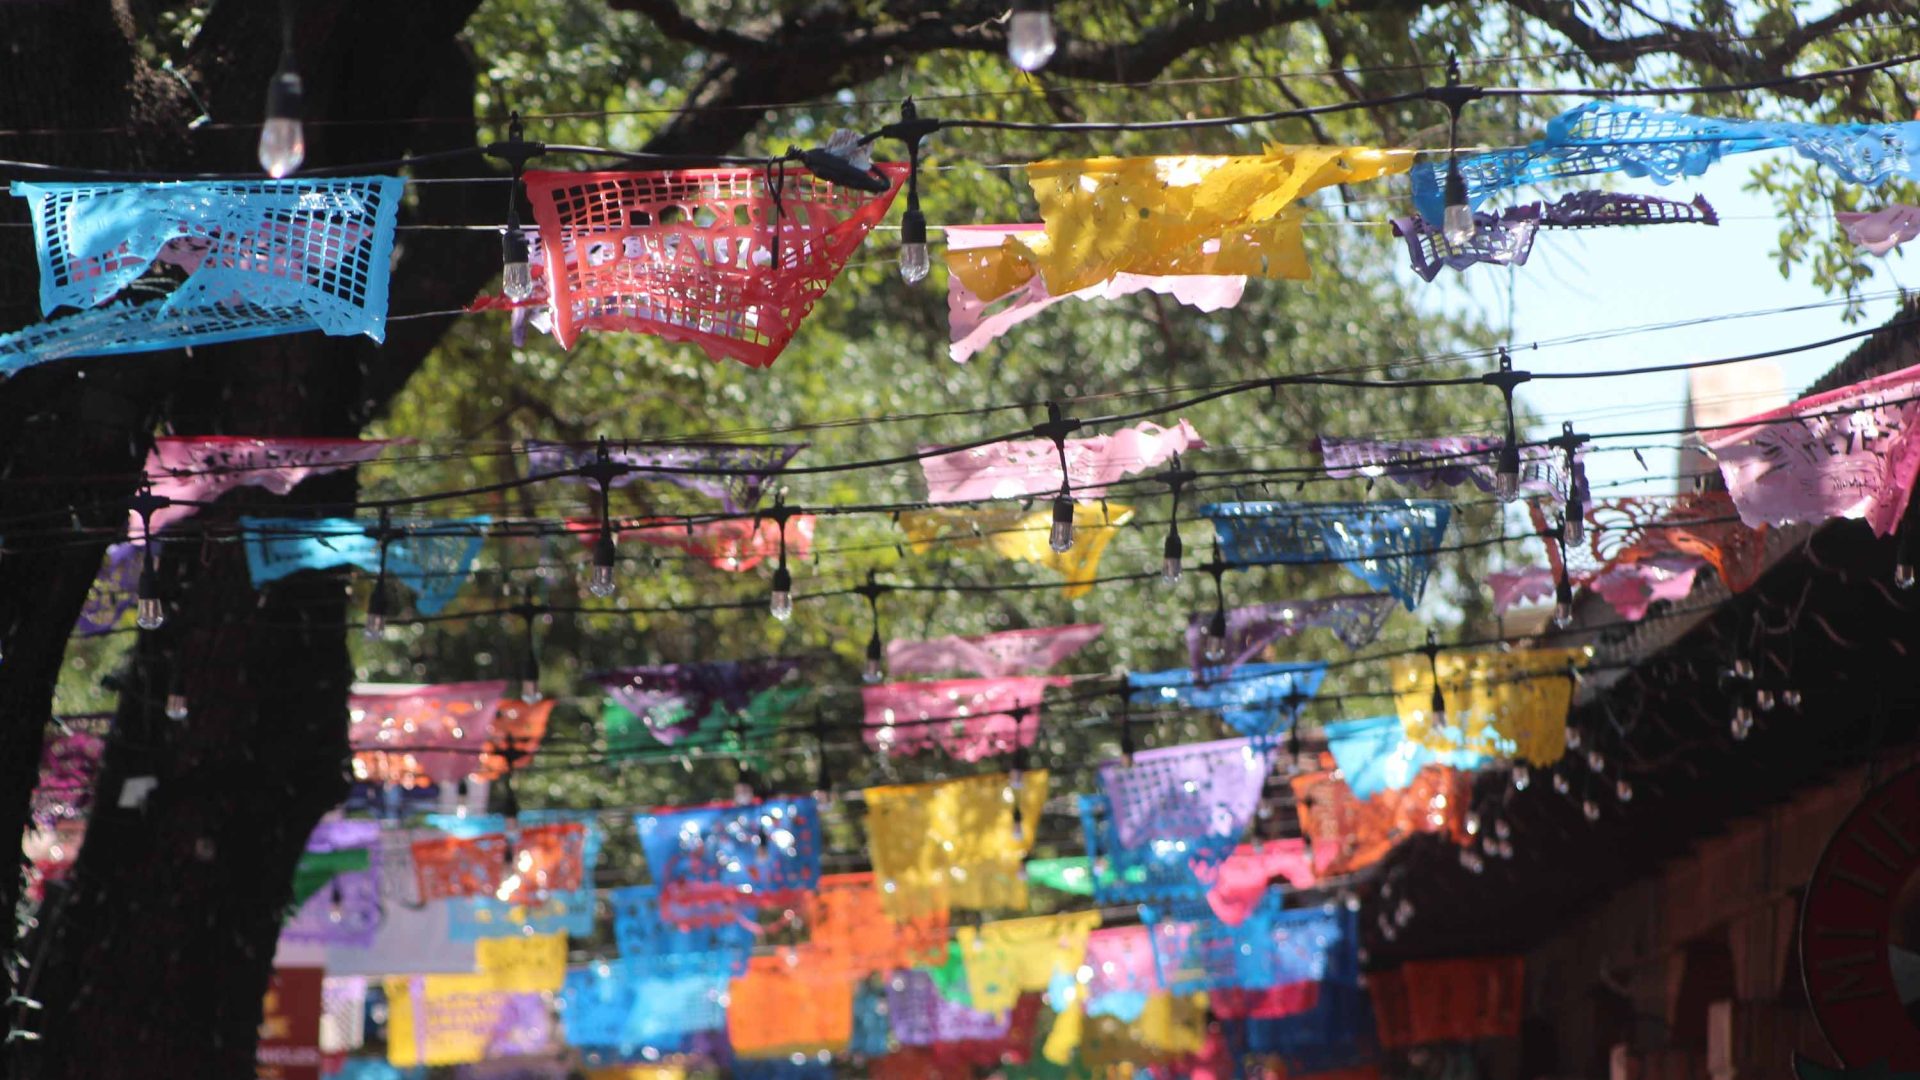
250,259
525,964
774,1011
1354,619
1235,888
1022,536
1608,136
922,1017
115,589
1010,957
201,468
344,911
1506,239
952,843
1349,833
990,656
714,863
1879,231
1449,1001
629,1006
1697,525
1031,467
970,327
432,558
731,544
1445,461
1254,699
1848,453
1389,544
675,700
1195,952
1189,214
642,933
454,1019
1121,972
69,762
415,735
1629,588
1502,704
518,868
1160,870
546,910
735,475
1194,791
969,719
1375,755
317,869
731,260
852,936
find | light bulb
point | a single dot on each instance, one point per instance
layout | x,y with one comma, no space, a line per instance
1743,668
151,615
1060,537
1623,790
1502,830
1456,224
1764,699
1560,784
601,583
335,905
1506,473
1790,698
530,692
1471,861
1170,568
1591,809
1030,42
1472,822
1563,614
914,261
780,603
516,269
876,665
1742,724
1437,709
1596,761
176,706
283,140
1576,524
1019,832
1214,642
1522,780
742,793
376,626
1903,575
1573,738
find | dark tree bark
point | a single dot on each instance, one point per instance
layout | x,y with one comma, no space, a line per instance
153,958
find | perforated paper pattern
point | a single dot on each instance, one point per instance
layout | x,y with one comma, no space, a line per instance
969,719
1355,620
258,258
1275,946
1020,467
1702,525
1120,972
674,700
420,735
432,558
1197,790
202,468
1608,136
629,1005
1009,652
1349,833
1375,755
1009,957
851,935
951,844
1157,871
731,544
713,863
1390,544
1443,460
641,933
733,474
1848,453
1021,535
774,1011
1882,230
697,255
1235,888
1254,699
1503,704
922,1017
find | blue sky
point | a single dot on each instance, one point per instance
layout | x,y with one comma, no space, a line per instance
1595,280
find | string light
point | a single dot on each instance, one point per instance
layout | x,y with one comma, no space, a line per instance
1126,728
1457,224
1056,428
1175,478
1213,643
516,258
1060,536
603,470
1741,725
377,600
876,653
529,656
1507,468
1522,777
1030,40
150,613
1437,705
1561,786
1574,521
1623,790
822,778
915,263
780,600
283,139
176,705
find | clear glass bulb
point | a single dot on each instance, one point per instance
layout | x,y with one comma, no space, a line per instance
530,692
1560,784
601,583
1522,779
376,627
1060,537
780,605
874,671
1170,570
516,280
915,263
283,146
1502,830
1742,724
1457,225
176,706
1573,738
1213,644
1742,668
1903,576
1790,698
1472,822
1507,485
1596,761
1623,790
1576,526
1563,615
1764,699
1591,809
1030,42
151,614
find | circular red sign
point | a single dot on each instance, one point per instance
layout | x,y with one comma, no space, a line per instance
1860,930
